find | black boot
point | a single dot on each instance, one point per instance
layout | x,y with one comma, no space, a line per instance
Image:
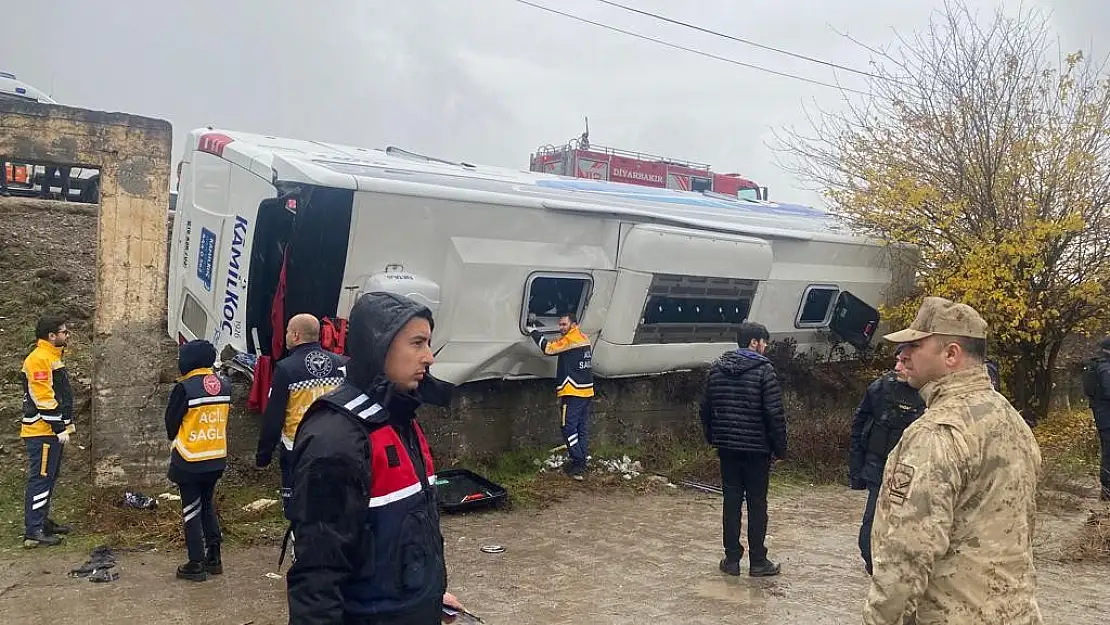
40,537
51,527
764,569
212,562
732,567
192,571
574,469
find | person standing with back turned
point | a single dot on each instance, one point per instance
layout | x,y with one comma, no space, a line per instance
742,416
308,372
953,533
196,422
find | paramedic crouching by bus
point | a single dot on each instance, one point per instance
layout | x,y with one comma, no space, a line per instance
575,390
196,422
364,523
308,372
47,425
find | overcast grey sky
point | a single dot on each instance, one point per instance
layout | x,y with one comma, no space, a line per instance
481,80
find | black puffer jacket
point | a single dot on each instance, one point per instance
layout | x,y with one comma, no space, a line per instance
742,409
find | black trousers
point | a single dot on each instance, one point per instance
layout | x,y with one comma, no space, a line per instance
198,513
44,461
745,476
1104,474
427,615
866,524
285,461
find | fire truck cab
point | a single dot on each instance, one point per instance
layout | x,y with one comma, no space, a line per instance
580,159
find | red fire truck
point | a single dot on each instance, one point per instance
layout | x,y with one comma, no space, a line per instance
581,159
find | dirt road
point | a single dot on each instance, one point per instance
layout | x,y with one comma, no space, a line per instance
606,560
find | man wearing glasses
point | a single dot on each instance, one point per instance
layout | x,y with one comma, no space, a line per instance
47,425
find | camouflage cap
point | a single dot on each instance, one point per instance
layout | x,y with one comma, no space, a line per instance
941,316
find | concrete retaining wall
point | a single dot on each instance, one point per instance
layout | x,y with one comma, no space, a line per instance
133,156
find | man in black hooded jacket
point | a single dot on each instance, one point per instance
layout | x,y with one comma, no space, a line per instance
888,408
367,548
742,416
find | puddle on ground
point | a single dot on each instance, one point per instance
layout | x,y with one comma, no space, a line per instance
740,591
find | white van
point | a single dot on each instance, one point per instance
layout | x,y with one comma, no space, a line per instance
84,182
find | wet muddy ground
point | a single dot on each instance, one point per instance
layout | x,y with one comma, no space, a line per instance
605,560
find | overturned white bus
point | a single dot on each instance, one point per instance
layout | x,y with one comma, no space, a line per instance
268,227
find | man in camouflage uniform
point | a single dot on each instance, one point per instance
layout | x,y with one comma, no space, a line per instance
953,533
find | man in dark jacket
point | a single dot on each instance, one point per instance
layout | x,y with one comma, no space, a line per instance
367,548
1098,394
307,373
196,422
887,409
742,416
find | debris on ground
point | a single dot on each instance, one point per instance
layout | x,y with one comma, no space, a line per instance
551,463
1093,539
237,362
662,479
273,576
139,501
259,504
705,488
104,575
625,466
169,497
96,568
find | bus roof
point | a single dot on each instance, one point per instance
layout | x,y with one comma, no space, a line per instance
12,87
398,171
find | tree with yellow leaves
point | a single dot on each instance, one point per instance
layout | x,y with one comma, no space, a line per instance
990,156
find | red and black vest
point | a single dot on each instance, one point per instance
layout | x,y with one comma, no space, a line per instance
403,566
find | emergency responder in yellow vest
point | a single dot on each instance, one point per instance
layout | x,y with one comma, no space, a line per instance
196,422
47,425
574,379
953,532
308,372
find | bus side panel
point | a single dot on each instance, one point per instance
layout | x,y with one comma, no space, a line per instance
201,215
174,269
246,192
216,208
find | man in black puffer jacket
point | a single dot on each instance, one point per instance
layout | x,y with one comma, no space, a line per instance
742,417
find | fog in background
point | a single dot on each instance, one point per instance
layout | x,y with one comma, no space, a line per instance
481,80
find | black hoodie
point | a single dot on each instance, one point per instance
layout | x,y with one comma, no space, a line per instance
334,545
742,409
